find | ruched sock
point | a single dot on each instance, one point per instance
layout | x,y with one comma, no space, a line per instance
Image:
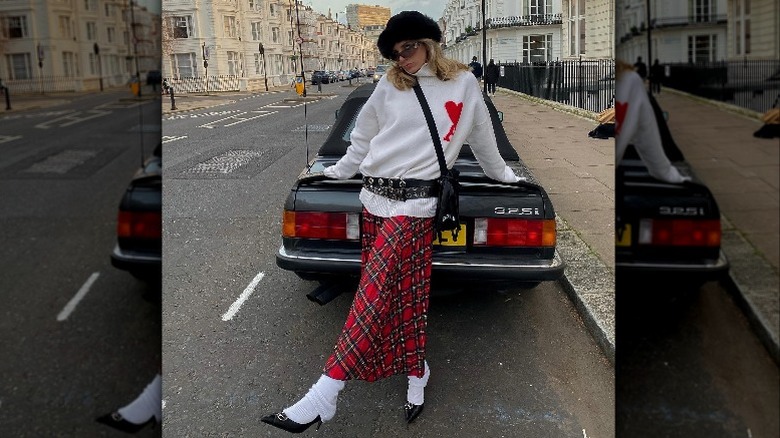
149,403
319,401
415,394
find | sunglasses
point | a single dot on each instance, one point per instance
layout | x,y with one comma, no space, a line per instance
407,51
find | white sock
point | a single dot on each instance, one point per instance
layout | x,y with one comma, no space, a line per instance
145,405
415,394
320,400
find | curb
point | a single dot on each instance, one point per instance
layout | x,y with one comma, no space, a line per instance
590,284
585,114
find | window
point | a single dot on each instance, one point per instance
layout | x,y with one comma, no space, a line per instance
16,27
126,37
90,5
289,38
182,26
91,31
257,34
577,27
111,34
65,29
537,48
229,23
742,27
233,63
701,10
273,9
68,64
107,9
183,65
275,35
93,70
258,62
702,48
19,66
254,5
539,7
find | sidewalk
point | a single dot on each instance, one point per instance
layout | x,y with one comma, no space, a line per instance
743,173
32,101
578,173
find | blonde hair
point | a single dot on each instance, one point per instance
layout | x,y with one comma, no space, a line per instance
443,67
621,67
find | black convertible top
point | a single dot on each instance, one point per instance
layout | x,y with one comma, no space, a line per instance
338,138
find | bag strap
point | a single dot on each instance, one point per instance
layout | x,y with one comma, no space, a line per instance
431,127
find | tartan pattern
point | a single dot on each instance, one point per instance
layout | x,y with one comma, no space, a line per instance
384,334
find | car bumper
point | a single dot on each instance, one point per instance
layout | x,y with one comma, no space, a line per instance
705,271
135,261
541,270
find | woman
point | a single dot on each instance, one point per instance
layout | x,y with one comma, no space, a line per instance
384,334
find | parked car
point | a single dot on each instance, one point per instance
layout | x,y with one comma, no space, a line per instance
379,71
666,232
333,77
138,248
508,230
320,77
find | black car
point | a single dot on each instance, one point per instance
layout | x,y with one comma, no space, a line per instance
138,249
508,231
320,76
667,232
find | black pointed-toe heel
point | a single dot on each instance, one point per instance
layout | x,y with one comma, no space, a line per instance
281,421
115,420
412,411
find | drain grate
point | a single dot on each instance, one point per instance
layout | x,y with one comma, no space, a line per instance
225,163
62,162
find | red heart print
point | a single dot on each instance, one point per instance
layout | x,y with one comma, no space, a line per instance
453,110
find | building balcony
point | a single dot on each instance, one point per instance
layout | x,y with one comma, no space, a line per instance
525,20
691,20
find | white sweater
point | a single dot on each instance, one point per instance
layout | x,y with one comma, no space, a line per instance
391,139
636,125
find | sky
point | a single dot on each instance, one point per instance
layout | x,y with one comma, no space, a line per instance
431,8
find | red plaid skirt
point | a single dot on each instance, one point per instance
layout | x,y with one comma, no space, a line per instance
385,330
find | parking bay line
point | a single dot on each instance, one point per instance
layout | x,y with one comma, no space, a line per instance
242,298
71,306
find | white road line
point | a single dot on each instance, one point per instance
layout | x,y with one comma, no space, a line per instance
170,138
71,306
585,435
251,118
7,138
244,296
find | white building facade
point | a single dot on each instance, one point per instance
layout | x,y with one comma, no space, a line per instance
75,45
247,43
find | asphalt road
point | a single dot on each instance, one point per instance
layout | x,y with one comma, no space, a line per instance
504,362
62,173
688,365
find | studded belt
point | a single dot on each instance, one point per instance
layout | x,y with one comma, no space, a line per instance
400,189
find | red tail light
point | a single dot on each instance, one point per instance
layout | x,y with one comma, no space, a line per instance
139,224
680,232
514,232
321,225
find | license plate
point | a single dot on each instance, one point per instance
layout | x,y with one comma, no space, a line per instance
448,240
623,236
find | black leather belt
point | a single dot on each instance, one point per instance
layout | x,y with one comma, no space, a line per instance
400,189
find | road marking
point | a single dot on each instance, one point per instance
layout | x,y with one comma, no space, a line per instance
71,306
72,119
7,138
170,138
264,113
237,117
750,435
62,162
244,296
584,435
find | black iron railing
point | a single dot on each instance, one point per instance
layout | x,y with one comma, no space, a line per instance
45,84
584,83
198,84
523,20
748,84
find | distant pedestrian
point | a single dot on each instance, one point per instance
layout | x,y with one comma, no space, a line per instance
656,76
641,68
476,67
491,77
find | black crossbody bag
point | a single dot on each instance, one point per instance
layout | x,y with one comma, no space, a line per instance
447,215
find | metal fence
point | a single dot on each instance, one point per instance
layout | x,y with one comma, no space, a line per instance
748,84
584,83
198,85
45,84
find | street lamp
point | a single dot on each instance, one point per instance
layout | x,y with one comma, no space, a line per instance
135,46
484,44
100,67
40,66
206,65
261,49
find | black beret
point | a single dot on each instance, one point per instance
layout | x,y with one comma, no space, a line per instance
406,25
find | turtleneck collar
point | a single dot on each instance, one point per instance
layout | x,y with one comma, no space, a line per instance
424,71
